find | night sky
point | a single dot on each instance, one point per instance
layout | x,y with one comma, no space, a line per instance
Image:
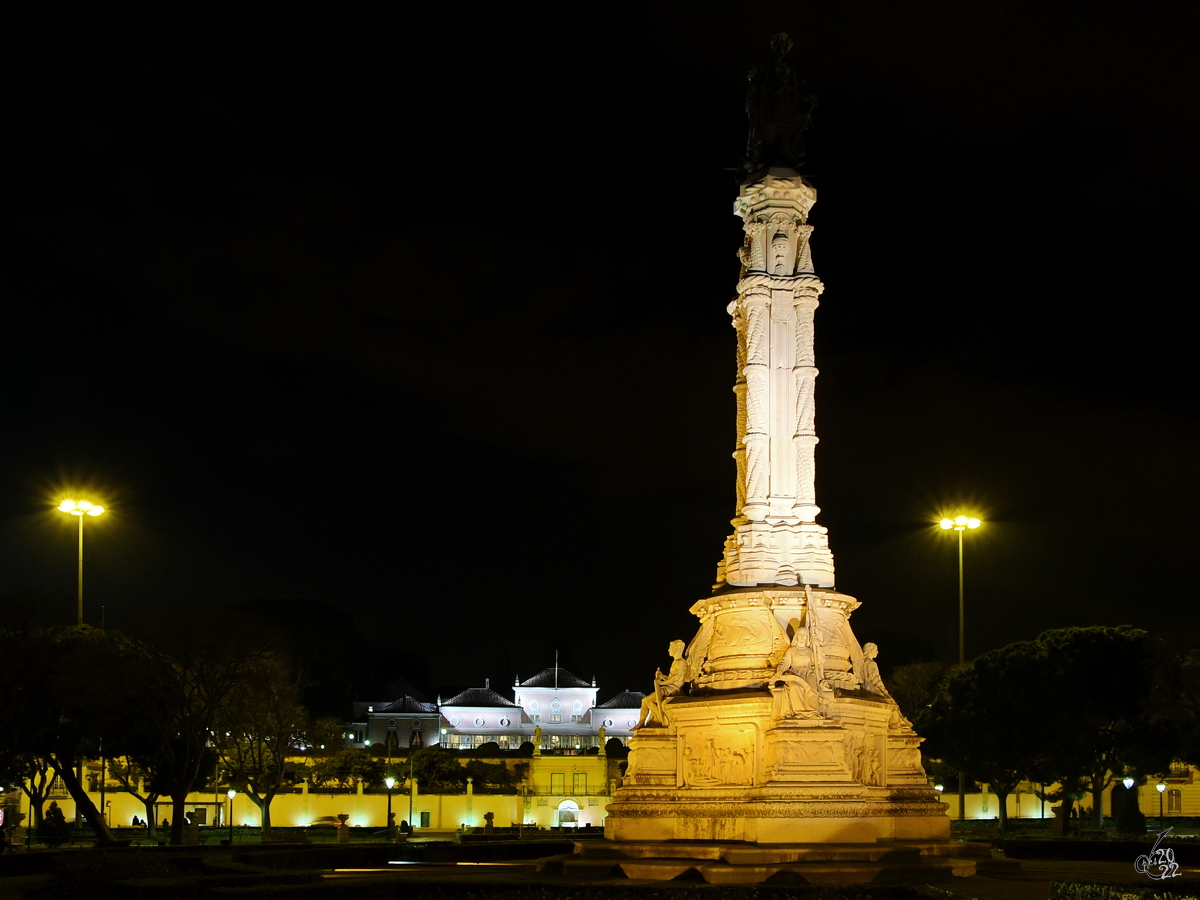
422,315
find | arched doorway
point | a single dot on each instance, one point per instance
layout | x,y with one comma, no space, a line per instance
568,814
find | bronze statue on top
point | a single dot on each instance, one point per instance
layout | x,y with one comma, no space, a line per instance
780,109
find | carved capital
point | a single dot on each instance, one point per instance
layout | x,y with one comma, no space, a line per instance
791,194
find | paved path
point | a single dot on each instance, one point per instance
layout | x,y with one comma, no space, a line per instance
1031,882
16,887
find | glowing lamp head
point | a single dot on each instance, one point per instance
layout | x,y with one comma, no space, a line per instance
231,793
939,787
1161,786
1127,781
390,782
80,508
960,523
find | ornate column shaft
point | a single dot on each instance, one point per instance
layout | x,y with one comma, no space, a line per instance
776,539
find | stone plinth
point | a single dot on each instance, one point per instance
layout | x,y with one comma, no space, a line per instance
775,727
731,863
725,770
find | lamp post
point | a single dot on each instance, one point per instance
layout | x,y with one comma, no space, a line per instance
1129,781
231,793
80,508
1160,787
959,524
391,783
410,789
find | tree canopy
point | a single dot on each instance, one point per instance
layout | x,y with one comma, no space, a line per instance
1075,706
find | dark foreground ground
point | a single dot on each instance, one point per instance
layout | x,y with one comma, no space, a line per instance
497,872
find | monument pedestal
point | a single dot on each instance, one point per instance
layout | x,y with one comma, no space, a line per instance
728,769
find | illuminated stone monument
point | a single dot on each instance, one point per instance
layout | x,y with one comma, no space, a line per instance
773,725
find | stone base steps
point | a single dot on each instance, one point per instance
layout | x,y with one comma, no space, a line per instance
730,863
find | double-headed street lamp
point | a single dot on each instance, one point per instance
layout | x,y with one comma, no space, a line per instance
960,524
80,508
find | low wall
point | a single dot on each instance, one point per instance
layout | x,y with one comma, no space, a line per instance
369,810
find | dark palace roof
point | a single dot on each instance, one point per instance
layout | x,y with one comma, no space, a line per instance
546,679
407,704
478,697
623,700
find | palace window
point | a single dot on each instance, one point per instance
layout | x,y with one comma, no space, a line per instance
1175,801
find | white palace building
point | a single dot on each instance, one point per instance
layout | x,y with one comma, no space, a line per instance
555,710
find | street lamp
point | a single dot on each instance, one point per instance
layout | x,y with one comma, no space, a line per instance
391,783
410,789
231,793
1160,787
960,524
80,508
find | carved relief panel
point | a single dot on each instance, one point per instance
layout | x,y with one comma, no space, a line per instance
864,757
803,251
653,758
743,633
756,400
756,467
804,334
806,470
755,229
806,412
719,756
756,313
792,755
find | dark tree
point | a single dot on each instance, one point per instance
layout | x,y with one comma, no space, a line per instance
1107,713
209,659
490,777
259,728
99,687
1186,712
436,769
1078,706
979,722
915,685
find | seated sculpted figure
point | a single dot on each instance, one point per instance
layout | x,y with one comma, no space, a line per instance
665,686
871,678
873,682
794,684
